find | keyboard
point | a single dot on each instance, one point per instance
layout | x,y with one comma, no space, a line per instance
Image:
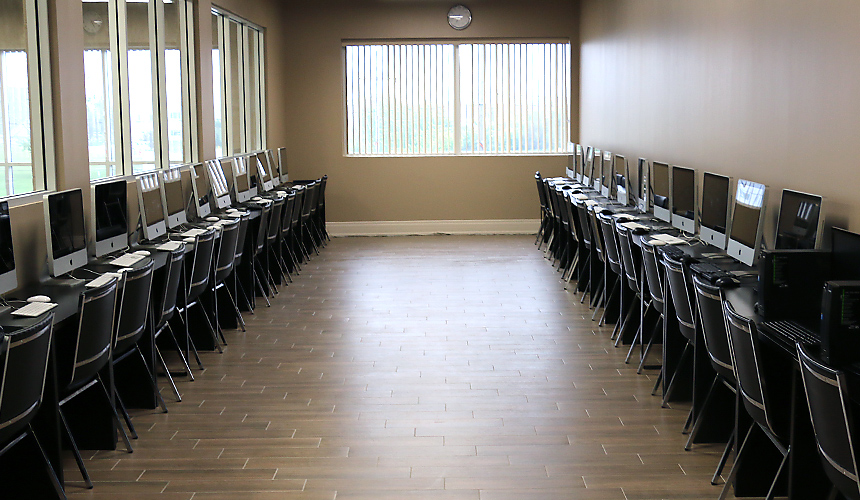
709,271
101,280
170,246
34,309
792,331
673,252
669,239
126,260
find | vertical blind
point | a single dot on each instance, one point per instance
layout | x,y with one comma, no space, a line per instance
443,99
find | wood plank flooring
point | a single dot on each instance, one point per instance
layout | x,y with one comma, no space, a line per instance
413,368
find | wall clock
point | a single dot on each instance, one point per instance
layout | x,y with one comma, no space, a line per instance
459,17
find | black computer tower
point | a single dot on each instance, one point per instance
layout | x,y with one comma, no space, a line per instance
790,285
840,323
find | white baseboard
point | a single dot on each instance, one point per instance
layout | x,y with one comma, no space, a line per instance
425,227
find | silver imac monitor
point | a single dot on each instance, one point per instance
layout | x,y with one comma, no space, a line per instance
109,216
264,170
799,223
660,191
275,170
597,170
578,160
218,181
620,176
643,200
201,189
282,165
64,231
150,198
241,180
8,275
174,198
588,166
606,175
684,199
569,171
716,209
747,219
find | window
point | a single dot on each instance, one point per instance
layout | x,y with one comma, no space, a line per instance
461,98
238,83
23,95
138,85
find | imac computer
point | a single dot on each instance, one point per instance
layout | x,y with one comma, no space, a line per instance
660,190
578,160
606,175
64,231
109,216
200,188
281,155
597,170
8,276
643,201
241,180
684,199
799,223
569,169
619,166
264,170
714,217
747,218
218,181
174,197
588,166
151,201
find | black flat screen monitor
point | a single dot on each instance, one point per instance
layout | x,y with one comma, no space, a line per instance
845,248
110,216
798,225
660,183
683,198
8,276
747,218
714,218
65,234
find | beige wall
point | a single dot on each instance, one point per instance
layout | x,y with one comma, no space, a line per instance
380,189
766,90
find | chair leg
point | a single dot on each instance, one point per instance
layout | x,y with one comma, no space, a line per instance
116,420
75,451
734,471
239,317
169,376
657,383
190,349
154,384
52,474
671,388
723,459
125,416
770,492
699,420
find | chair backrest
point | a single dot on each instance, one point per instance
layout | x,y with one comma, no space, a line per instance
629,259
652,274
133,307
287,215
95,334
541,194
226,250
262,228
23,370
301,190
584,224
308,203
201,263
570,213
829,408
596,236
241,235
676,277
321,197
613,258
167,288
275,219
315,196
744,348
710,306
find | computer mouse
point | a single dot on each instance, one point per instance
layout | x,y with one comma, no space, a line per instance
39,298
124,270
212,219
728,282
144,253
256,198
188,240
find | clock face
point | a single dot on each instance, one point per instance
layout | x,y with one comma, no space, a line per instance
459,17
92,22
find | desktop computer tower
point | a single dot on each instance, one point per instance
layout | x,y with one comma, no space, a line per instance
790,285
840,323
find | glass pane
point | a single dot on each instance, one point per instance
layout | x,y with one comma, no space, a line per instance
236,113
140,91
173,64
217,89
16,156
98,88
252,103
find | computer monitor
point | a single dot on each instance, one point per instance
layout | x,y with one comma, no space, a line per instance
175,201
606,175
241,180
845,251
643,202
201,189
218,181
65,235
578,160
282,165
8,276
597,170
150,196
747,218
799,222
109,216
264,170
660,190
683,198
588,166
714,217
569,170
619,167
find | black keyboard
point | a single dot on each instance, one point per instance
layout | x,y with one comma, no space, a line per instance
673,252
709,271
792,331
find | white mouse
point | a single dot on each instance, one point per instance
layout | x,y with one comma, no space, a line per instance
212,219
39,298
256,198
144,253
188,240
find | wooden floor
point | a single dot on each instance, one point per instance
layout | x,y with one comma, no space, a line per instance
413,368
